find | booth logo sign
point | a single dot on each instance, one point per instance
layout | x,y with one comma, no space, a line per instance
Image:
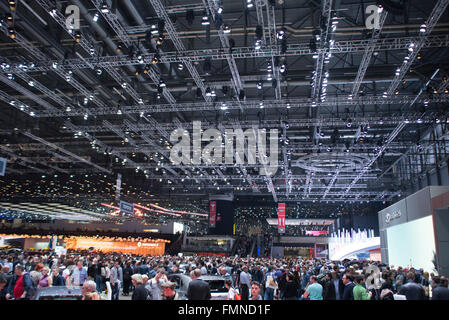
392,216
250,144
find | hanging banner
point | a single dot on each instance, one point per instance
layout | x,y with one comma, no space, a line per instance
281,217
212,214
118,187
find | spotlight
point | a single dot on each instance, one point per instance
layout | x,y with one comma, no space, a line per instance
208,92
205,19
349,123
162,83
9,20
396,91
419,56
12,5
119,48
96,16
147,69
281,33
12,32
156,59
226,29
446,91
77,37
282,68
260,85
104,7
220,9
160,40
249,3
423,28
52,12
258,44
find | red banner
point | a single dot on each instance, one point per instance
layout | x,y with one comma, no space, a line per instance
281,217
212,214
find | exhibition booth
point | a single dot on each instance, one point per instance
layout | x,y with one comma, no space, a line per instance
414,232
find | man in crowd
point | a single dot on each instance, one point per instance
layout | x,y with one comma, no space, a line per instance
411,290
329,292
348,292
90,287
314,290
255,290
359,291
198,289
439,291
79,275
168,291
21,285
116,279
156,284
245,283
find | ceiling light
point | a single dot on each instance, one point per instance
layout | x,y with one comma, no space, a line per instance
98,71
55,65
258,44
119,48
220,9
259,85
423,28
104,7
156,59
205,19
282,68
162,83
96,16
180,66
12,32
249,3
226,29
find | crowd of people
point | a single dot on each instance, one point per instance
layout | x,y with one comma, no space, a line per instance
147,277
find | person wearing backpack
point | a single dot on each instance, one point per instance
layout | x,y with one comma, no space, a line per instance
21,286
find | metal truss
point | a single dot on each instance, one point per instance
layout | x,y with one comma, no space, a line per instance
253,104
25,161
268,124
416,46
112,20
298,49
54,146
19,105
212,7
171,30
367,56
323,49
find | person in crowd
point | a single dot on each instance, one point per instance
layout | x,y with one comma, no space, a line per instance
89,290
168,291
400,280
156,284
139,292
255,291
127,273
78,275
232,293
46,280
291,287
92,269
3,287
36,273
116,272
198,289
270,283
359,291
439,290
348,292
21,286
314,290
329,292
57,280
245,283
412,290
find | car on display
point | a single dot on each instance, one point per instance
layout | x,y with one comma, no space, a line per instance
58,293
218,290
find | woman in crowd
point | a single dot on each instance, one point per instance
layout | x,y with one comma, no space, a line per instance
232,293
46,280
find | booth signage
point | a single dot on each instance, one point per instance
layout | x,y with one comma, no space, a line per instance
281,217
391,216
212,213
126,207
